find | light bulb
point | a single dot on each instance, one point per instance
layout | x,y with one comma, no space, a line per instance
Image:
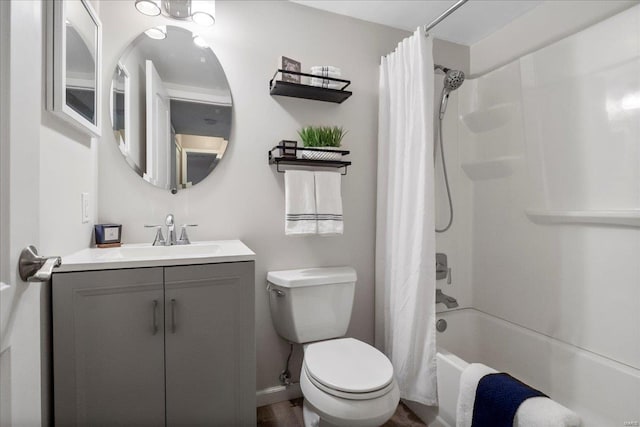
148,7
157,33
200,42
202,18
203,12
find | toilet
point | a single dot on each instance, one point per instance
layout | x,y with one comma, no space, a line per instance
345,382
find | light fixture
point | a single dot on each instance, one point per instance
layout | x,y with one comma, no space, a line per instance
199,41
157,33
202,12
149,7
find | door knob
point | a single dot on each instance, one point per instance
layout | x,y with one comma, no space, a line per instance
35,268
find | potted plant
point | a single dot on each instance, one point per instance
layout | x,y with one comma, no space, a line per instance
322,138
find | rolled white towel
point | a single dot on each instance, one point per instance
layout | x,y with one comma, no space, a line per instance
326,83
544,412
325,69
467,394
326,74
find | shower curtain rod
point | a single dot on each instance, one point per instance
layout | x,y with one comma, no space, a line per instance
440,18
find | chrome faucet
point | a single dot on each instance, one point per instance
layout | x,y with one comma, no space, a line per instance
450,302
171,233
171,230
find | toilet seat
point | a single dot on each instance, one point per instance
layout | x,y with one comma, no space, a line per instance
348,368
341,412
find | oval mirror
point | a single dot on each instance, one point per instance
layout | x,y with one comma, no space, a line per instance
170,107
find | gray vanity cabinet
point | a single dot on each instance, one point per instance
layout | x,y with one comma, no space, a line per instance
108,358
210,309
160,346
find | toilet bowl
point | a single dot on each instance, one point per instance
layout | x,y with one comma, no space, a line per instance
345,382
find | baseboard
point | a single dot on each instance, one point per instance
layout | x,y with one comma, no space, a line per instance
279,393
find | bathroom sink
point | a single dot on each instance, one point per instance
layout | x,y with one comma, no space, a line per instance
150,251
147,255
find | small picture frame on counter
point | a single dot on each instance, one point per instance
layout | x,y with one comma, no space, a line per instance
108,235
288,64
288,149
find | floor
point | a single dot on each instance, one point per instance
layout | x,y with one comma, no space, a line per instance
289,414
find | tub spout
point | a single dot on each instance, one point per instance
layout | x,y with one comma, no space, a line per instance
450,302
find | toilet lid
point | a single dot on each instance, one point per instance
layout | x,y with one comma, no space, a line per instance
348,365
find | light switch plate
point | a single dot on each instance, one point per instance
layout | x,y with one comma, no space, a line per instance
85,208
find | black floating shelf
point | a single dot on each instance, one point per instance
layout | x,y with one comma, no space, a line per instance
295,161
298,90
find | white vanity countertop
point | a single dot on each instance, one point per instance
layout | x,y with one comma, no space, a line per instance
146,255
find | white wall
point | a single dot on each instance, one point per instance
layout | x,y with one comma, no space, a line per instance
244,196
541,26
557,130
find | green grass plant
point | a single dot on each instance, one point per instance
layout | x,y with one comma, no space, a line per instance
322,136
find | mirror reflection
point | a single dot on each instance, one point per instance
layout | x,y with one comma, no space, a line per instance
81,47
171,107
118,93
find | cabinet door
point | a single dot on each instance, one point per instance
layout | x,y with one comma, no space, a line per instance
108,348
210,348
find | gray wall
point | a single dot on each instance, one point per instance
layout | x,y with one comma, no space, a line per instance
244,196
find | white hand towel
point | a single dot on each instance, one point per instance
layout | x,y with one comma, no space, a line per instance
300,203
329,203
544,412
467,394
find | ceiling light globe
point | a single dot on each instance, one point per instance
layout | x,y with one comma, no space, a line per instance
157,33
148,7
203,18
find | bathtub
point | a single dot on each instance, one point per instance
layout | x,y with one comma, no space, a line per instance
602,391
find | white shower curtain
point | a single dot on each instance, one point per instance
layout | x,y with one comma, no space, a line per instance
405,230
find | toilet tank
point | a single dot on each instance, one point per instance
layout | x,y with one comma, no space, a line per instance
311,304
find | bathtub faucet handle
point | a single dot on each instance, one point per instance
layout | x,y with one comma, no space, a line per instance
450,302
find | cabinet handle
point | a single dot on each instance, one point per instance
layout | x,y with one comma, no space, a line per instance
155,316
173,316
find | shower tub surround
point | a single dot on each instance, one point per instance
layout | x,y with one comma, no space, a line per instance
549,145
601,391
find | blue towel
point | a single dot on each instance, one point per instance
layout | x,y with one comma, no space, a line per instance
498,397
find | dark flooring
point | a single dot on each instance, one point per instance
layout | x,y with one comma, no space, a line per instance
289,414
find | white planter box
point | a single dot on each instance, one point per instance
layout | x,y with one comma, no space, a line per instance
321,155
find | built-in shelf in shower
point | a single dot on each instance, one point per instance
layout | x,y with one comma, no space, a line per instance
499,167
490,118
626,218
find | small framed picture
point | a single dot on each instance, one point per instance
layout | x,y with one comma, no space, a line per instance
289,64
108,235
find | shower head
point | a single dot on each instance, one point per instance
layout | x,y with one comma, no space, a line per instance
453,79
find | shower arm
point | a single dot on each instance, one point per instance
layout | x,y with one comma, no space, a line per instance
441,68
